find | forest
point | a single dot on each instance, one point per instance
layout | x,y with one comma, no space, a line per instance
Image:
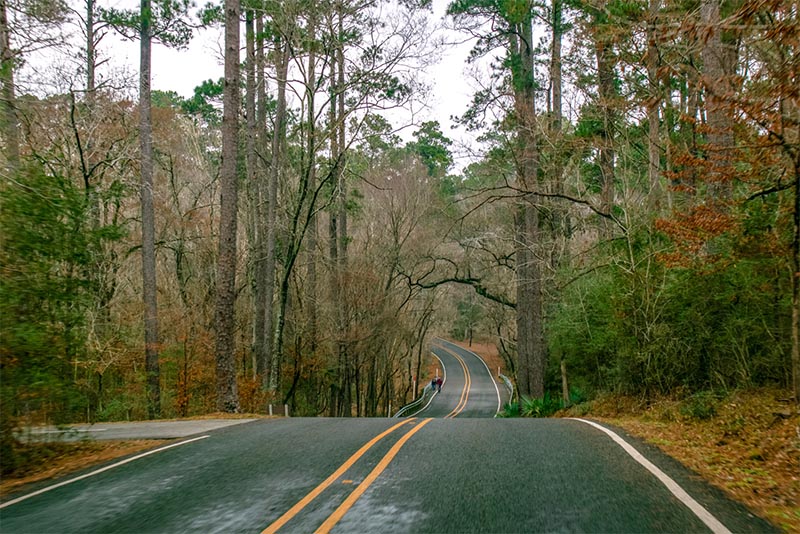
629,220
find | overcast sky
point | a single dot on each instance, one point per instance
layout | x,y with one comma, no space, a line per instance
183,70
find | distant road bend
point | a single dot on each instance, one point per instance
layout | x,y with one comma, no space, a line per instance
468,390
453,468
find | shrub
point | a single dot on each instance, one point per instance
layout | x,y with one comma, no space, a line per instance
702,405
510,409
544,407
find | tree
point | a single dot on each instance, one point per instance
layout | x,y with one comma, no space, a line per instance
225,314
24,27
513,23
46,296
9,120
433,148
163,20
149,287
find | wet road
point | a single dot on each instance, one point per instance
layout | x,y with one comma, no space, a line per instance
459,474
469,390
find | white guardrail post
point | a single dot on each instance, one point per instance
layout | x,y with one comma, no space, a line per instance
510,387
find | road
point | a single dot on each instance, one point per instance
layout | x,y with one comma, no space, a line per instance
469,390
461,473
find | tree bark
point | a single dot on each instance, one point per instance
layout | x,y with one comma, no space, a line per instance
529,309
653,150
607,94
333,239
561,221
227,391
149,289
10,126
341,267
265,281
718,67
796,286
90,54
564,383
311,160
255,190
278,143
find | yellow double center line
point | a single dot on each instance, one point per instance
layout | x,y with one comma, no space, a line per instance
462,402
337,515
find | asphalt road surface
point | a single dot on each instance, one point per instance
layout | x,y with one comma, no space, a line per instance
468,389
461,473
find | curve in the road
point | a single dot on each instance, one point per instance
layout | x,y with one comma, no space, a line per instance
462,401
469,390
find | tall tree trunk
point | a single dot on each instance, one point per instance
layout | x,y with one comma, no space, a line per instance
276,166
340,67
91,60
607,101
341,243
265,281
529,309
8,114
555,66
227,391
311,150
653,150
148,218
333,239
529,317
718,68
796,283
561,222
255,190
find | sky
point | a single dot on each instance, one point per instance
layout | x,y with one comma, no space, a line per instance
183,70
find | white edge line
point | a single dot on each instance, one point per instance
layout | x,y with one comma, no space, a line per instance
499,401
704,515
97,472
444,379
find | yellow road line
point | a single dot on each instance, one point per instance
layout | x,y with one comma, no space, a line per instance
462,402
337,515
294,510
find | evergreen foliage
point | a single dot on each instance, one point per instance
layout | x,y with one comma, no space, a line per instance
47,290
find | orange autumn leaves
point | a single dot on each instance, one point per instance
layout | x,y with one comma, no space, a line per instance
692,231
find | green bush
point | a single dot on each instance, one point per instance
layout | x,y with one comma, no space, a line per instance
50,252
577,396
510,409
654,331
543,407
702,406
